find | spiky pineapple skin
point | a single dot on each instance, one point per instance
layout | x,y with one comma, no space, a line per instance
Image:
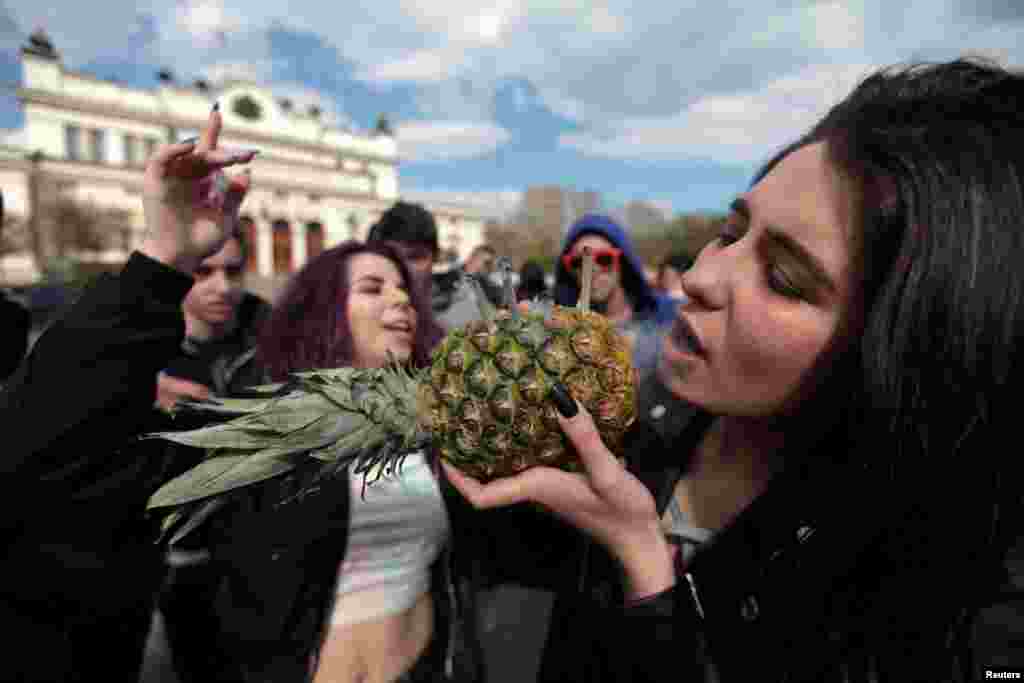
486,396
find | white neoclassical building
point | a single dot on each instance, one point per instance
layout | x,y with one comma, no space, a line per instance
314,184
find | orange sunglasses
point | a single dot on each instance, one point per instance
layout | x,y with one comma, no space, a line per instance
607,258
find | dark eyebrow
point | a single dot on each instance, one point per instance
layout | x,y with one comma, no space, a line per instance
791,246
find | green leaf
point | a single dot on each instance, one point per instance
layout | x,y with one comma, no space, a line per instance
227,406
230,435
195,516
218,475
291,414
338,394
331,375
362,438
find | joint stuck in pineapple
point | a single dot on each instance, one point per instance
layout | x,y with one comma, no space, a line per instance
483,404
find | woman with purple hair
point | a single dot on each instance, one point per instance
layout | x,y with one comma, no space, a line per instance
339,583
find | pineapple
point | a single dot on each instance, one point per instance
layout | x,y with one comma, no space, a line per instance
486,399
483,404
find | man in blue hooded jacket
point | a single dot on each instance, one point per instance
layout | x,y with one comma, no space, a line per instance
620,291
619,288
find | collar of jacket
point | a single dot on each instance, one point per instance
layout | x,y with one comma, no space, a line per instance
797,535
805,536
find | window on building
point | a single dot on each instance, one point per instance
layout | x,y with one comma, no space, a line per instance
97,145
131,150
73,142
248,227
314,239
282,235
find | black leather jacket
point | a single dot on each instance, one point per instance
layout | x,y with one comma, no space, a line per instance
278,553
810,583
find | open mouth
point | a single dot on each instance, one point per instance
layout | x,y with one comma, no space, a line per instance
685,338
403,326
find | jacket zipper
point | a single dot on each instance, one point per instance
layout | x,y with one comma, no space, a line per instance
693,593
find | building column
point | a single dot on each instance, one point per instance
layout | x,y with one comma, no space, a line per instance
335,230
264,248
298,228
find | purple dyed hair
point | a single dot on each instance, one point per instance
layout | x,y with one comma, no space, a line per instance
308,327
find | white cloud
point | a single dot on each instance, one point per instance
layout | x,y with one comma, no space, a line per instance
448,140
740,128
423,66
221,73
501,204
634,76
603,21
836,25
206,21
466,21
78,30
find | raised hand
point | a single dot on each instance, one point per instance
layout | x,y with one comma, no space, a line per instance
190,205
170,390
606,501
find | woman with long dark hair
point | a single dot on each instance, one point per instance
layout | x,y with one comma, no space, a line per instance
840,506
325,580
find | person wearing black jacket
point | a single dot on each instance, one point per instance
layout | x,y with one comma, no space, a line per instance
218,359
16,323
841,503
80,568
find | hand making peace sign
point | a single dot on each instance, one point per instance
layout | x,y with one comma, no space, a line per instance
190,205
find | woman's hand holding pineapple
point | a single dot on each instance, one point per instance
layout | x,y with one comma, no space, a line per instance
190,206
605,501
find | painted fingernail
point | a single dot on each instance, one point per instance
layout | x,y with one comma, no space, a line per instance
563,401
189,141
216,106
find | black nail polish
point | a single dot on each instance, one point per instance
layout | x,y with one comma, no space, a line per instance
216,106
563,401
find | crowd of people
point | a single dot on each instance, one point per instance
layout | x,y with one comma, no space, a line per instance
819,484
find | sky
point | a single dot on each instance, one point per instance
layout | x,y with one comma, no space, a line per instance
673,103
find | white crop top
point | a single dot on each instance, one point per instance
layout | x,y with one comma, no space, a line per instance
395,534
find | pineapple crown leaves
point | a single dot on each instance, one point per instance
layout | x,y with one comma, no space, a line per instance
335,416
